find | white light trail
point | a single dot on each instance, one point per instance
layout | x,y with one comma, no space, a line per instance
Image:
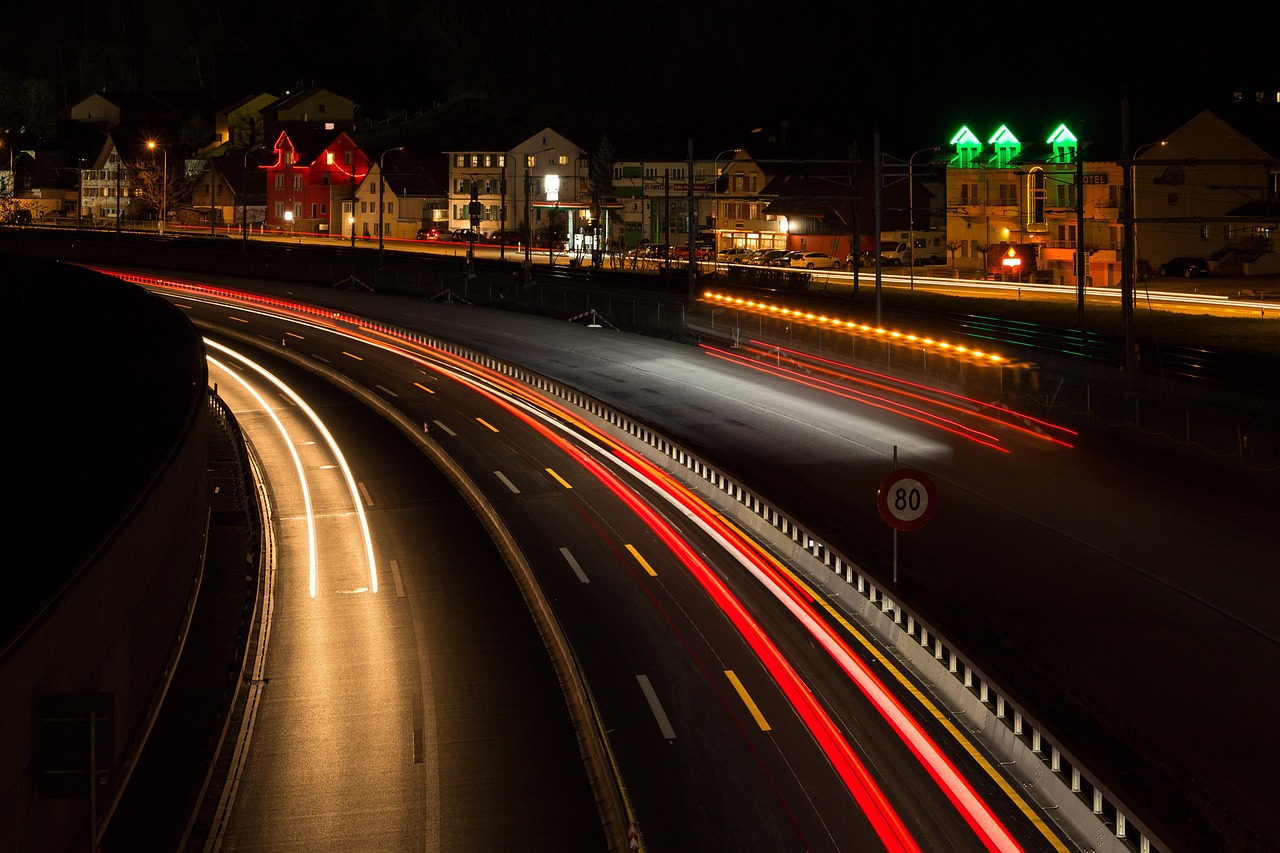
333,448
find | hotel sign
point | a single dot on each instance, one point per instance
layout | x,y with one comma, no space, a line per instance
1097,179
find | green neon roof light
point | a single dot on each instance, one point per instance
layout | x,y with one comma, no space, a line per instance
1062,136
1004,136
964,136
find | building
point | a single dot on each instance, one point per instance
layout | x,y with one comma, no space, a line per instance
412,197
311,175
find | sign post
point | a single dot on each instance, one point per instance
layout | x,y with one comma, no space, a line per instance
907,500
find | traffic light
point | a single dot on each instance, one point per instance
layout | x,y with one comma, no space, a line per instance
475,208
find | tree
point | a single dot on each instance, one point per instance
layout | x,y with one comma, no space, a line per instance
150,186
601,176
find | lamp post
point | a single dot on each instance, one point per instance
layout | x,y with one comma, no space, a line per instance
164,182
382,182
911,210
244,196
288,217
1129,273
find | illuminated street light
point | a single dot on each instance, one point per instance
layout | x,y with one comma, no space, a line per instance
288,217
164,181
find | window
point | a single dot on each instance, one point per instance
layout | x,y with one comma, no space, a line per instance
279,211
364,207
531,160
324,209
488,160
328,158
279,180
347,157
297,182
460,160
969,194
562,160
502,161
475,161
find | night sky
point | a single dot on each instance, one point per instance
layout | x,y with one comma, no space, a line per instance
691,68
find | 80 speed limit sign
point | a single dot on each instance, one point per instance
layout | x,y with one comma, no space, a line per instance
907,499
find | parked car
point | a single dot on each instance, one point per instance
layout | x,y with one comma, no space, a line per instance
508,238
765,257
1185,267
784,260
702,250
733,255
19,216
430,233
466,235
814,261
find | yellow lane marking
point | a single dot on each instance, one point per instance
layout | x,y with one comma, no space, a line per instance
424,387
641,560
352,355
559,479
747,700
965,743
486,423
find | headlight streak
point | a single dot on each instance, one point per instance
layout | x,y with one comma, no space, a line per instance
915,414
297,464
333,448
893,385
751,556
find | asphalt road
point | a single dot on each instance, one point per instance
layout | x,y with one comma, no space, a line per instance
1126,602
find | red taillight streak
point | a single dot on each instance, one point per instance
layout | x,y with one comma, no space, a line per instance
893,379
980,412
971,807
917,415
884,819
862,787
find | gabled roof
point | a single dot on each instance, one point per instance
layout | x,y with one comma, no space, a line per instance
308,143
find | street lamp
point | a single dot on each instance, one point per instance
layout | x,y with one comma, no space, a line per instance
288,217
911,210
382,182
164,182
1129,272
244,196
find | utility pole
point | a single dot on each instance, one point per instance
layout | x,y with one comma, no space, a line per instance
1082,258
1126,273
879,180
693,246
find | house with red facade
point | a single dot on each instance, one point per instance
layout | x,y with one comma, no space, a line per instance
313,175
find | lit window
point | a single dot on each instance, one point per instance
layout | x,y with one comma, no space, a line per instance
475,160
562,160
328,158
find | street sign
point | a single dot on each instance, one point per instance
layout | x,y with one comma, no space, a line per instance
907,499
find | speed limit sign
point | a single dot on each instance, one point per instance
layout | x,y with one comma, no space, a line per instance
907,499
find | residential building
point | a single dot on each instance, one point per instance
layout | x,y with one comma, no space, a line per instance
1206,190
413,197
105,188
311,175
